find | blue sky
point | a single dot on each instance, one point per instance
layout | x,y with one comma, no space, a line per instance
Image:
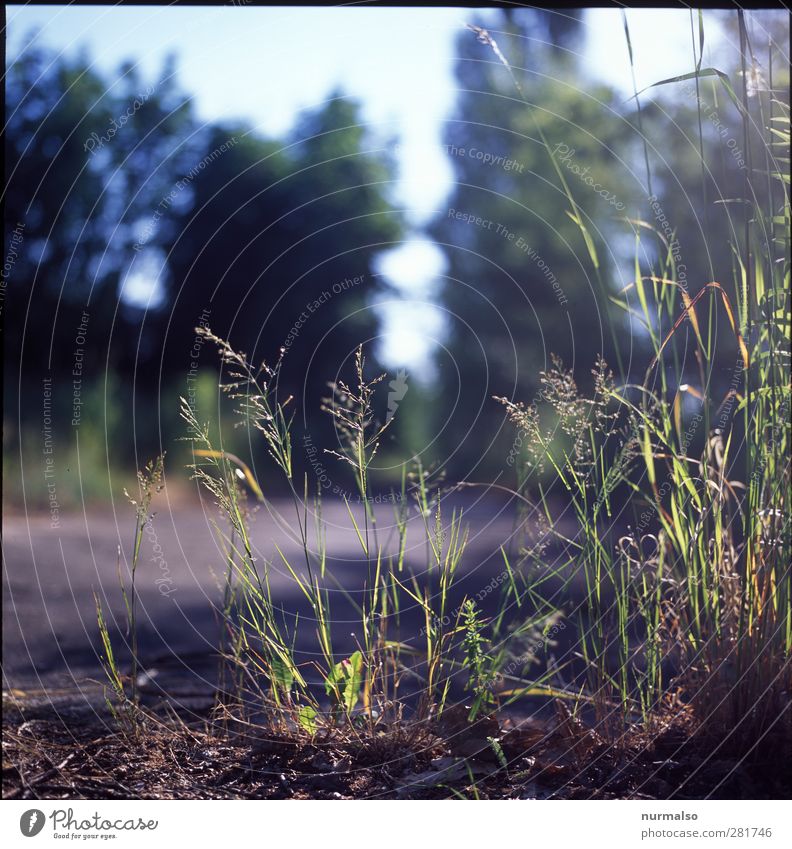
397,61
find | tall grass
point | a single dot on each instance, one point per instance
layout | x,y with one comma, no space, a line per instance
150,482
360,689
690,611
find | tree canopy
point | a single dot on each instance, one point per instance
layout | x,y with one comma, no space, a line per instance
142,221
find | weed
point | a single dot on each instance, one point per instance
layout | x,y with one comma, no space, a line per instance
692,605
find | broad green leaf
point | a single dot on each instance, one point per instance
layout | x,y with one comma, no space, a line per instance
307,718
282,674
345,680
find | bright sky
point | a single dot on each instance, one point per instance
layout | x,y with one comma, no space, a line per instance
397,61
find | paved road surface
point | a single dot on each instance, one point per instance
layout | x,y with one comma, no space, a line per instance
50,574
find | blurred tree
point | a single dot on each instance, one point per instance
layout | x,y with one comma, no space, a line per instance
278,250
88,157
88,160
521,284
140,223
141,185
55,195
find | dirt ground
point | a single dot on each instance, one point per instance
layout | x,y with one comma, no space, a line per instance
84,756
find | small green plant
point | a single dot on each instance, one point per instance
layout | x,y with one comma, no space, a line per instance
122,709
359,432
477,663
150,482
497,750
259,660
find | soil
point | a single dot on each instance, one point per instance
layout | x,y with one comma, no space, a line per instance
73,756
